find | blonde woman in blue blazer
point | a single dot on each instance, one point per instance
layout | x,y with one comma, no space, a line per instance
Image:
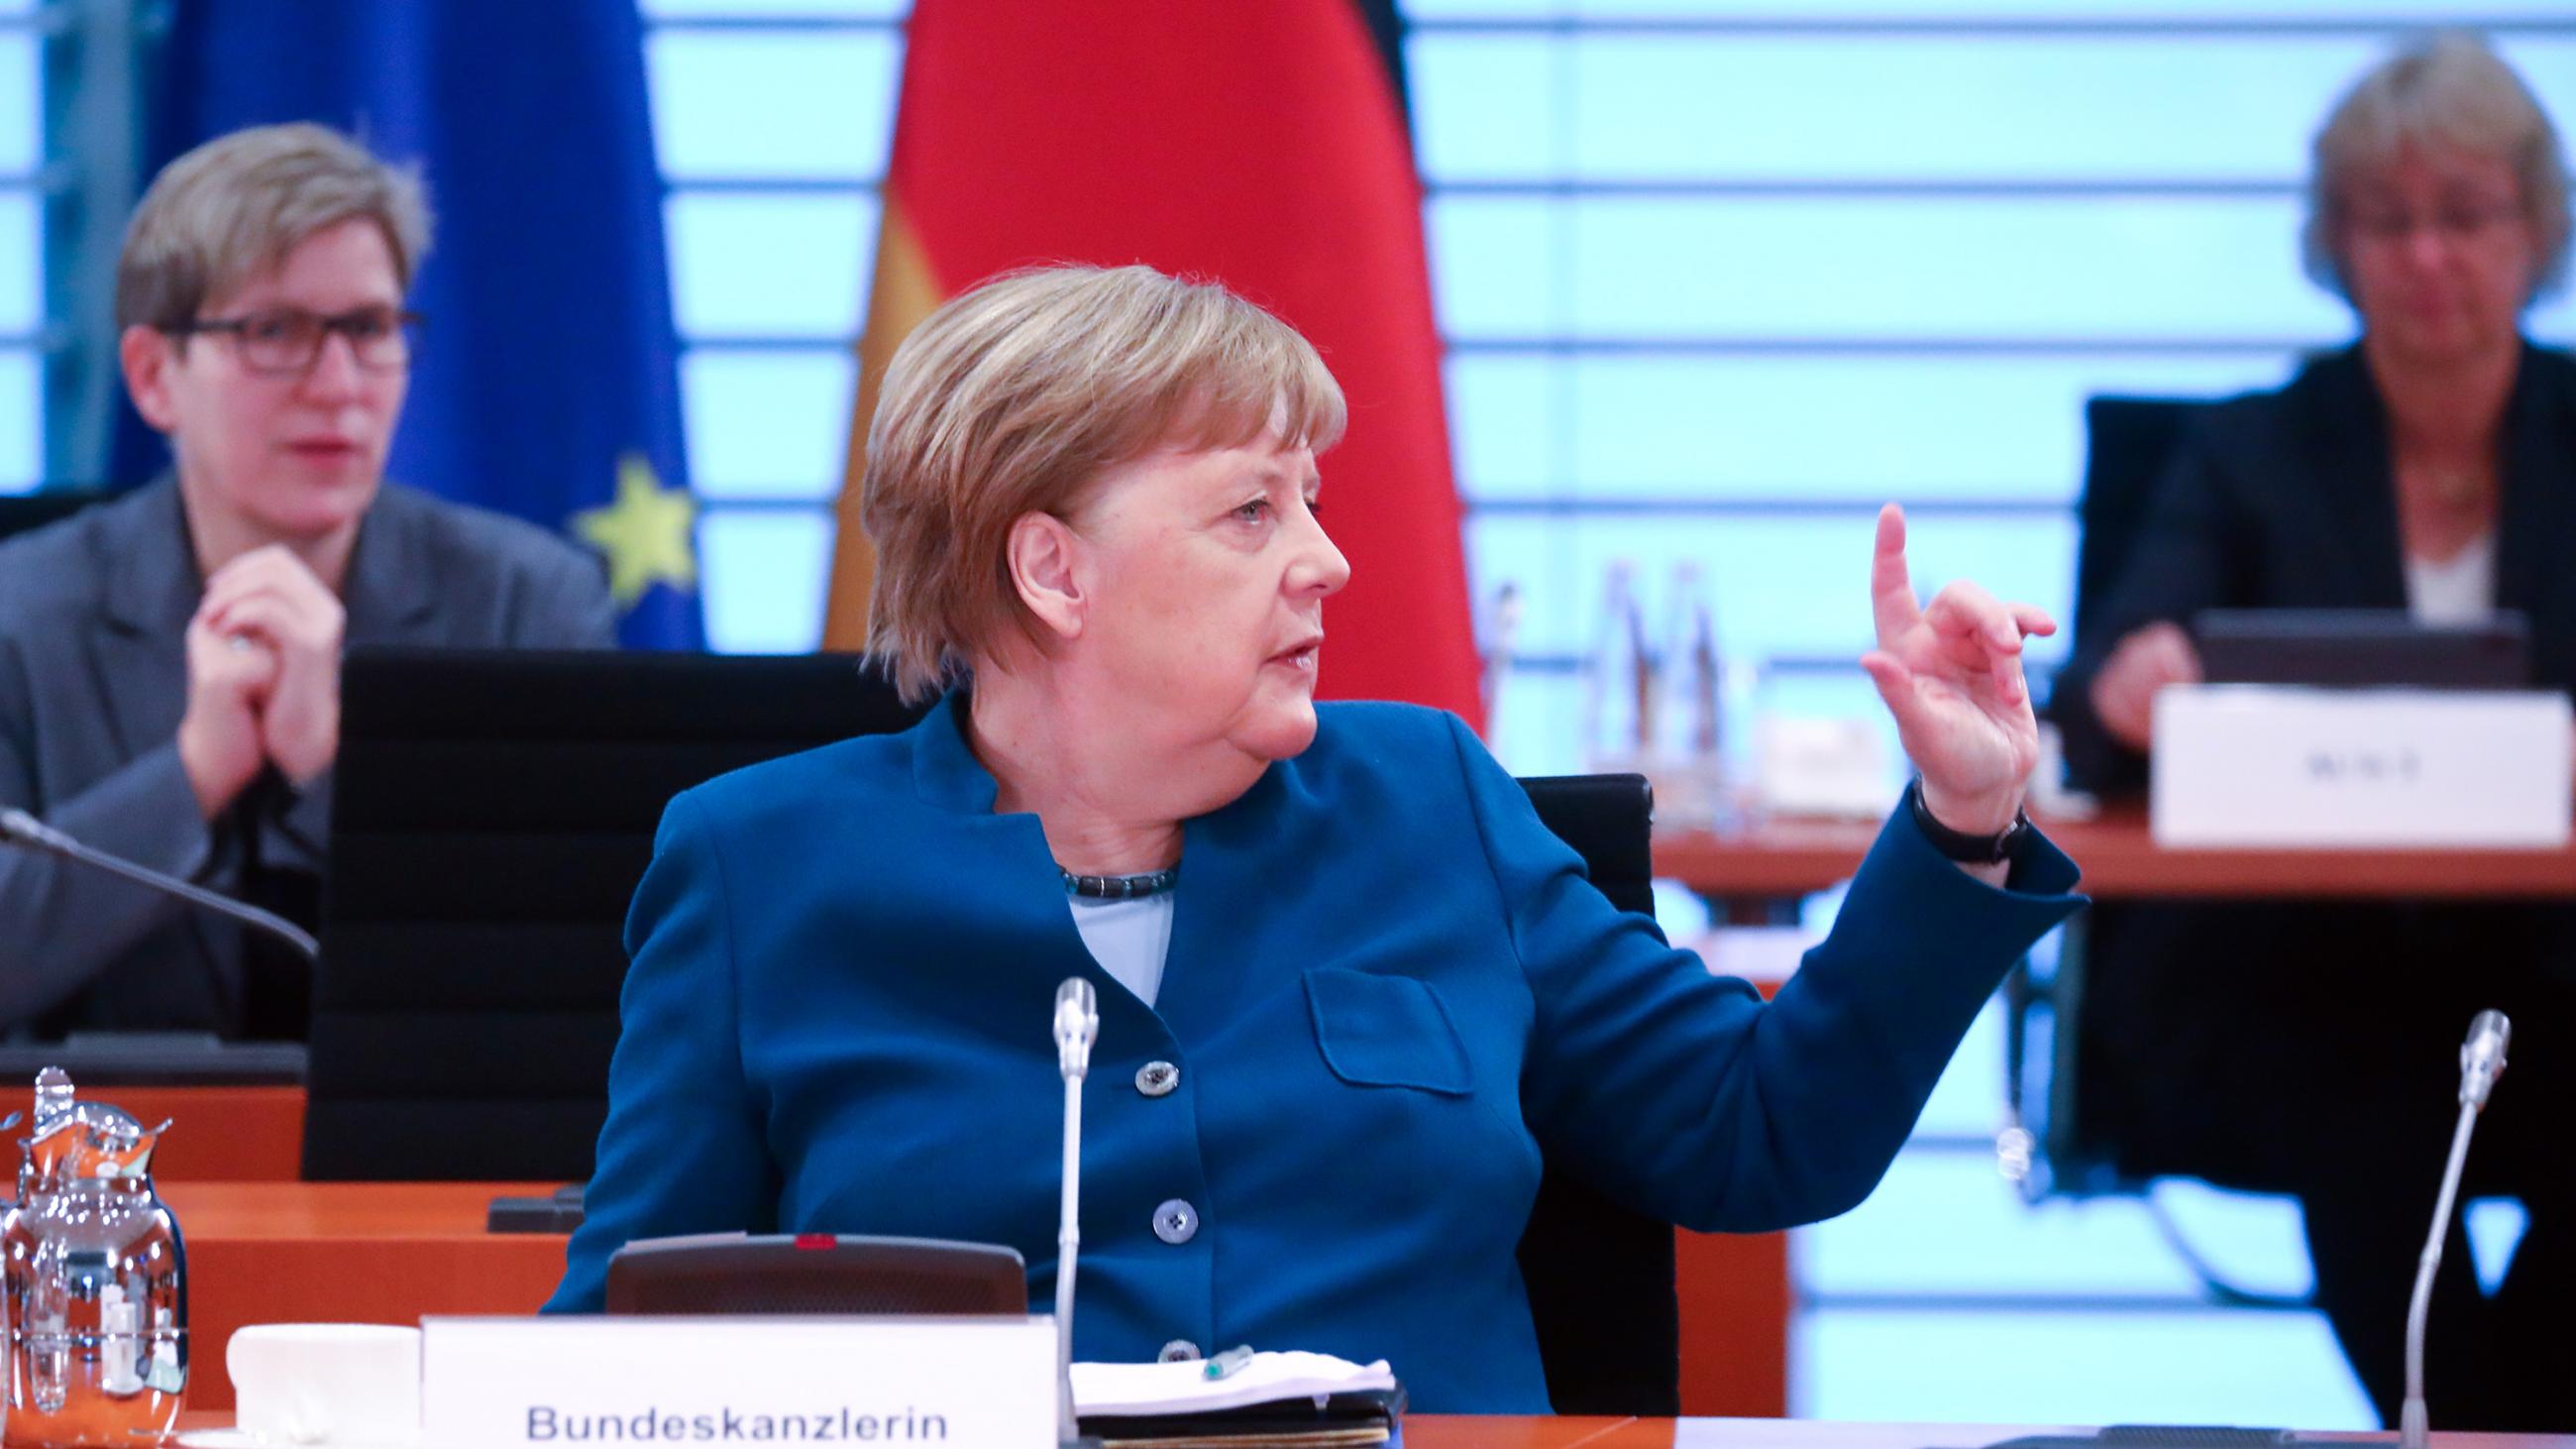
1351,991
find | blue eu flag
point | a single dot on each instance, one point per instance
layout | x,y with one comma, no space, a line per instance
546,380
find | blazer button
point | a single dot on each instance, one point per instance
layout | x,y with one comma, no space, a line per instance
1179,1350
1176,1222
1157,1079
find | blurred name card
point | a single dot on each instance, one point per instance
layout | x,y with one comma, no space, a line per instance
969,1382
1821,766
2257,765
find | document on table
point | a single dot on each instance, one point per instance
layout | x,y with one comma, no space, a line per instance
1155,1390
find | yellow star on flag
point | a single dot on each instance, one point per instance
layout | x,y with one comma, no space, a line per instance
647,535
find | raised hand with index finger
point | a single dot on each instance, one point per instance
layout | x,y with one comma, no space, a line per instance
1951,674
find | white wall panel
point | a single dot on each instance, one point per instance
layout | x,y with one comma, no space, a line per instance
773,103
1983,15
768,424
1861,428
1969,1233
765,575
2073,1367
22,265
738,10
1822,109
22,433
773,264
1793,585
2064,271
22,118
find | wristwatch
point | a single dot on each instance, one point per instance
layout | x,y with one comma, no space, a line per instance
1966,849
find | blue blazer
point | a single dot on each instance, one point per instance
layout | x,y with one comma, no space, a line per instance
1389,991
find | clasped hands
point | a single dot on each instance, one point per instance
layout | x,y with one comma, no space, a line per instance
1951,673
263,677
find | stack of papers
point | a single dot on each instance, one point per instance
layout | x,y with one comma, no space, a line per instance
1277,1398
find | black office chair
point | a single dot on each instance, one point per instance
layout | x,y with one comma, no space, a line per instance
24,512
2055,1091
2130,441
1600,1277
492,813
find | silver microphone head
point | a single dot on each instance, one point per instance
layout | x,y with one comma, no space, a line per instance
1077,1026
2482,1056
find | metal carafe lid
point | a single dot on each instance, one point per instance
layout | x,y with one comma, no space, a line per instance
75,1141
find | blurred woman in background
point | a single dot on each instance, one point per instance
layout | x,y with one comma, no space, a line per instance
170,661
2430,467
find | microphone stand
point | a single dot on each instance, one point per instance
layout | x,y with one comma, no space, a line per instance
1077,1026
19,828
2481,1062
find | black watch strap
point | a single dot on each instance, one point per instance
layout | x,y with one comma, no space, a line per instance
1966,849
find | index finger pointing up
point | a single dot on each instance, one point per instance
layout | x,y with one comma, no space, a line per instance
1891,590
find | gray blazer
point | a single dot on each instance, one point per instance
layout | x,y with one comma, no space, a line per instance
94,613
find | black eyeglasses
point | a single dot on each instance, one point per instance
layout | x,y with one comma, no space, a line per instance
2456,220
285,341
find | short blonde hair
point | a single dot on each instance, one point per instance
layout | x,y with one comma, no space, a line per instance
235,206
1013,398
2450,90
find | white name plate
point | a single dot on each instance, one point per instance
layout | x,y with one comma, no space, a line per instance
2254,765
554,1381
1822,766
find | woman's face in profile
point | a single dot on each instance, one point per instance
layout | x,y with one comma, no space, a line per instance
2438,252
1206,574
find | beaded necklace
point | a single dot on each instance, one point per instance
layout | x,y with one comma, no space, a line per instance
1120,887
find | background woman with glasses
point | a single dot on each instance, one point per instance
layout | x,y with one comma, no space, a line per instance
2430,467
169,663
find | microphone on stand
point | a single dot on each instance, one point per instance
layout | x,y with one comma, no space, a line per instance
1077,1026
2482,1056
19,828
2481,1063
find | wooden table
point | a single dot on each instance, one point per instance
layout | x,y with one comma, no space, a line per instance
1436,1431
1790,857
290,1252
1439,1431
346,1252
246,1134
1461,1431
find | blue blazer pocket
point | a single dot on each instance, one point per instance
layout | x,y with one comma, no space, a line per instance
1386,1031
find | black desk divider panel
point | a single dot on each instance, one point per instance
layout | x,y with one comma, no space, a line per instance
491,814
157,1059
